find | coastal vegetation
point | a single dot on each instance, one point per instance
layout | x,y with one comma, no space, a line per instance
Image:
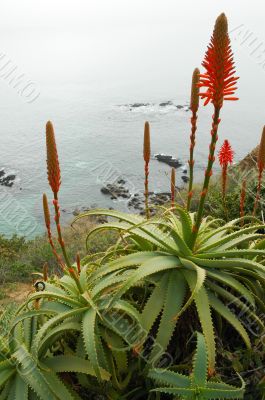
164,305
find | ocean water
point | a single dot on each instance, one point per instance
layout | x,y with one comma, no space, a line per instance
87,79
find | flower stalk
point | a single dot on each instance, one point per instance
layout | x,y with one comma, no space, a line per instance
48,228
225,156
219,81
194,106
261,166
54,178
173,187
146,155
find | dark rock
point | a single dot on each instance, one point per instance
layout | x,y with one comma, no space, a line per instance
105,190
6,180
166,103
121,182
136,105
185,179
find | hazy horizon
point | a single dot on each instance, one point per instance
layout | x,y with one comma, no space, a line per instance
84,58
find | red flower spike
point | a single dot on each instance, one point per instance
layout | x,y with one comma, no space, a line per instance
53,167
226,154
219,79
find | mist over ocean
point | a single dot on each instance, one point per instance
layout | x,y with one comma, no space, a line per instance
89,74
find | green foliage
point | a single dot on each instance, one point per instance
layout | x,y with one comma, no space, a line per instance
20,258
196,386
9,248
223,266
214,205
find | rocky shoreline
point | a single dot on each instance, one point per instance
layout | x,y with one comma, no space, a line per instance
135,201
5,179
163,106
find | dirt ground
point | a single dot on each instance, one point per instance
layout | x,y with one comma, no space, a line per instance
15,292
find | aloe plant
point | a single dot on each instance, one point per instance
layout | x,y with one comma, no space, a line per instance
24,377
67,315
196,386
225,266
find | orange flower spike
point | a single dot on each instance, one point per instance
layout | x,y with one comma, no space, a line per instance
146,155
219,79
46,211
194,96
261,166
226,155
147,146
194,106
173,186
53,167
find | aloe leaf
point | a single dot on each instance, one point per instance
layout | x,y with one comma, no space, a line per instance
200,363
30,314
229,264
130,260
89,337
64,299
204,313
195,276
51,324
150,267
181,245
174,298
186,223
188,393
56,333
21,389
136,222
31,375
107,283
128,309
242,234
61,391
116,344
233,300
69,363
83,278
227,392
69,285
163,376
6,374
231,253
154,304
227,279
219,307
152,235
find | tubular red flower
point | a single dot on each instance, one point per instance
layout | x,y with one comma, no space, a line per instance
53,167
219,79
226,154
147,147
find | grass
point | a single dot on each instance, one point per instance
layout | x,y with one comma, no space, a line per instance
20,258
